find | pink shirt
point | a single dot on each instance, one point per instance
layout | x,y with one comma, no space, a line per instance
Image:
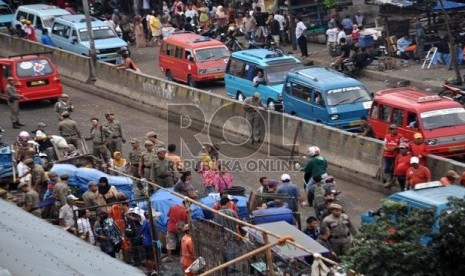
208,176
222,182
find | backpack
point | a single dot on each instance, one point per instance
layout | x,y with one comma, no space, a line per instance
319,195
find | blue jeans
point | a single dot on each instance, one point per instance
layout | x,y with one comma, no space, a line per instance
311,182
209,190
388,167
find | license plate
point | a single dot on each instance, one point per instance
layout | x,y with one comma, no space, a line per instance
456,148
219,76
354,123
36,83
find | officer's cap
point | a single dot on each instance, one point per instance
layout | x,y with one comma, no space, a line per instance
151,134
148,143
161,150
134,140
335,206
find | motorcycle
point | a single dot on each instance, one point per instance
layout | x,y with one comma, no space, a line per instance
231,41
212,32
453,92
269,44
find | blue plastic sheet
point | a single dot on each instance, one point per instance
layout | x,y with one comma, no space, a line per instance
162,201
6,162
241,203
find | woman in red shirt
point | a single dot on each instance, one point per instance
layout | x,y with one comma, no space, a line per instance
417,173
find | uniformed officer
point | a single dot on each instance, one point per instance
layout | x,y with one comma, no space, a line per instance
251,106
341,228
100,137
13,102
64,104
162,171
152,136
69,129
145,161
134,158
117,138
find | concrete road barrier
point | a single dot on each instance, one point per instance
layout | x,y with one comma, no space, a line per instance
352,156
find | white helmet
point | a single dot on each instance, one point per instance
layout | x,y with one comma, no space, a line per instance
313,150
23,134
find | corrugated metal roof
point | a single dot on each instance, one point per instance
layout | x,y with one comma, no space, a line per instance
32,246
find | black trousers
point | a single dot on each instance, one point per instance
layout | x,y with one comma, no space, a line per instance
302,41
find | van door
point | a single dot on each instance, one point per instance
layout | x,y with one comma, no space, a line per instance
320,111
380,118
234,77
298,100
59,35
180,66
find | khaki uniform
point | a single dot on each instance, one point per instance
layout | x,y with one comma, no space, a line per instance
62,106
146,163
13,102
158,144
69,130
38,175
31,203
100,136
134,158
341,228
253,117
116,138
163,172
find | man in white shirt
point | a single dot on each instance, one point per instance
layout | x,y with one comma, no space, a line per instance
300,28
331,38
282,32
84,227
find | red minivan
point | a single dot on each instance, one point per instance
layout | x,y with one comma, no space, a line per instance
191,58
441,121
36,77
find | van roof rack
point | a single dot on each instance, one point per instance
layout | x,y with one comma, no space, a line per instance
306,75
31,54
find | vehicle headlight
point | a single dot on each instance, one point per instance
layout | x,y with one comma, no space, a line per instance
431,142
334,117
202,71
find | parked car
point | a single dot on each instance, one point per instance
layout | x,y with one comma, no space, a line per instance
69,32
243,67
36,77
326,96
6,16
191,58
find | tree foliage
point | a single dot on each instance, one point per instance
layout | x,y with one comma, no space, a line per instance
330,4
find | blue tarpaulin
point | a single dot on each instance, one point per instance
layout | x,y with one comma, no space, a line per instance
163,200
6,162
448,5
241,203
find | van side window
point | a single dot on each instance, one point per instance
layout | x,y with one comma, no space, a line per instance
187,54
374,110
178,53
236,68
398,117
251,71
170,50
385,113
58,29
164,48
39,24
319,100
300,91
21,15
412,121
6,71
31,18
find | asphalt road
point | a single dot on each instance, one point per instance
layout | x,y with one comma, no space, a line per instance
354,198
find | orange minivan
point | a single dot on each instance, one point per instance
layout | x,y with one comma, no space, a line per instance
191,58
36,77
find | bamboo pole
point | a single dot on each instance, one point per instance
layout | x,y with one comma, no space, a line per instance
243,223
280,242
269,256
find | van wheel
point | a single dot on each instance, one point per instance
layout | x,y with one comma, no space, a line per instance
169,76
271,105
240,97
191,82
53,101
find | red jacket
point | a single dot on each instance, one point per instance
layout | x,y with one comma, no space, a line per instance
420,151
402,164
391,143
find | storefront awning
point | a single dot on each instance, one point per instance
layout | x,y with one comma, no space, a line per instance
449,5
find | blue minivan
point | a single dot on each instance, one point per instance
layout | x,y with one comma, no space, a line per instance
69,32
326,96
243,67
6,17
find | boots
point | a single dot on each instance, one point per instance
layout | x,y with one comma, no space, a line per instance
19,124
15,125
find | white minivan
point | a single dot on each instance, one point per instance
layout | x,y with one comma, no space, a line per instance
40,15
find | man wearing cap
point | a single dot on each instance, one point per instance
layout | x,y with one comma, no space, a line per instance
91,199
451,178
417,173
116,138
392,141
69,129
153,137
251,106
401,166
134,158
419,148
40,126
162,170
341,228
63,104
146,159
289,189
13,102
66,216
31,199
38,178
100,137
61,191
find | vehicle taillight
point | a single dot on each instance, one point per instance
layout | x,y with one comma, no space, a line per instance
56,79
